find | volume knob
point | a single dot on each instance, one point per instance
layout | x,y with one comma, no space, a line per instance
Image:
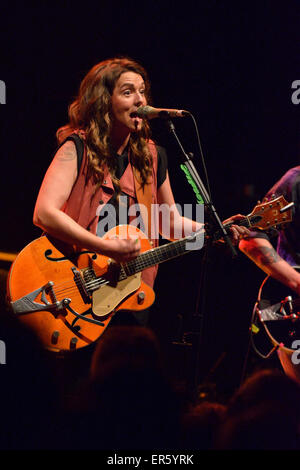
73,343
141,297
54,337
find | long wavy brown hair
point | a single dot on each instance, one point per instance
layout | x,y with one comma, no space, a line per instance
90,114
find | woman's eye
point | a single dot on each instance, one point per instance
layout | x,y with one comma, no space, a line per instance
128,92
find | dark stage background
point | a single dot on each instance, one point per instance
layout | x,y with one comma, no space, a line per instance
232,64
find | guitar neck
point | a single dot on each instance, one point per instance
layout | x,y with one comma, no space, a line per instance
180,247
159,255
174,249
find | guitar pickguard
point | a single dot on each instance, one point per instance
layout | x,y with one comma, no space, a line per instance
110,296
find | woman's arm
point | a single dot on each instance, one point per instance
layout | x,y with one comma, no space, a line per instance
262,253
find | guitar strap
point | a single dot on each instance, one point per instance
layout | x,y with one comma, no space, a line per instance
144,198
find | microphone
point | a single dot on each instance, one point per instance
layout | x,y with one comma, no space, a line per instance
147,112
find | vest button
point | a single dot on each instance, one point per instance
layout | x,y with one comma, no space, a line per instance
104,182
101,202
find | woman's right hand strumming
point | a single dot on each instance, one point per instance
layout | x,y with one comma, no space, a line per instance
121,250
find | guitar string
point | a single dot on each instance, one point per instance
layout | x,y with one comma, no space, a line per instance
94,283
145,260
62,287
138,264
71,285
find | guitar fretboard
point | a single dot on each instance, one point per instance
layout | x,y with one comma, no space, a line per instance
158,255
173,249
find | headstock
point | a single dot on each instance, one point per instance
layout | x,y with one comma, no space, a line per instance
271,213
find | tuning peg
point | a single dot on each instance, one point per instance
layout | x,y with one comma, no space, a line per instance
258,202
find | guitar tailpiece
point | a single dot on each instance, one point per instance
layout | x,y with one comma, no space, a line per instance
27,303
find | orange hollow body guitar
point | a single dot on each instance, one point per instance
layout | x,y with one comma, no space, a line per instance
69,297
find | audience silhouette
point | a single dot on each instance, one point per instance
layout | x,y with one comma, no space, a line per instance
264,414
127,402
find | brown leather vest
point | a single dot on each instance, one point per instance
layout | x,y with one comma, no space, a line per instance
84,202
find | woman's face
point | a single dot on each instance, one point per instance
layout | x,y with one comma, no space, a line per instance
128,95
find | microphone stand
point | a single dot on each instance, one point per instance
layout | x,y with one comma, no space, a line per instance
196,340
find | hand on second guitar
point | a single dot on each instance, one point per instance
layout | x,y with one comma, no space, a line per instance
237,231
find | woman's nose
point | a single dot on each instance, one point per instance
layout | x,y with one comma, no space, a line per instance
139,99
